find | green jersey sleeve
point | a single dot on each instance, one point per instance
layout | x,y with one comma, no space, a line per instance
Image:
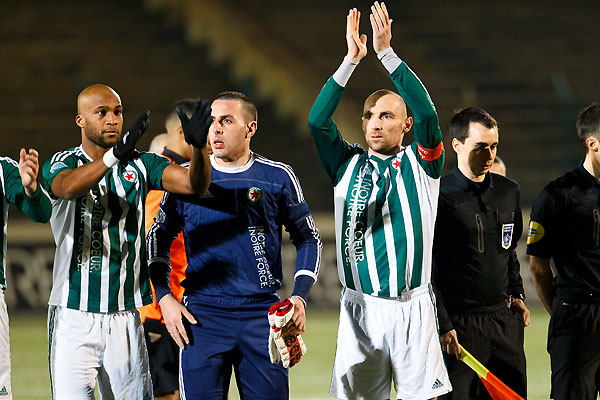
37,206
334,151
428,135
56,164
155,166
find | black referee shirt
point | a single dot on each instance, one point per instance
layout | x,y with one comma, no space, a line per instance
565,226
478,225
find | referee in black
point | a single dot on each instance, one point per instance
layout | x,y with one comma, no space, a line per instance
476,273
565,226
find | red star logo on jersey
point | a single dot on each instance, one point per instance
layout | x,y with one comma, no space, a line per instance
396,163
130,176
255,194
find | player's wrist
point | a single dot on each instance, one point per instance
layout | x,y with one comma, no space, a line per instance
109,158
302,286
164,296
298,299
389,59
381,47
30,190
344,72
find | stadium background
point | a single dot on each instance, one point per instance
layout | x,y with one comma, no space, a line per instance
531,64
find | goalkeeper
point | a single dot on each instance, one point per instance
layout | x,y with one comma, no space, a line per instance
233,245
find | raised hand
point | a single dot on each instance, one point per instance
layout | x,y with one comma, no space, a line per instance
126,144
382,27
357,44
28,169
195,128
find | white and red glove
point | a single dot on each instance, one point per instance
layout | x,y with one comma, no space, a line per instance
288,349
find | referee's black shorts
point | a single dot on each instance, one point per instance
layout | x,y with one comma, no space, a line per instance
163,354
574,347
495,338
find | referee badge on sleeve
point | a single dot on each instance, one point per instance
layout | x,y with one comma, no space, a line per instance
507,234
536,232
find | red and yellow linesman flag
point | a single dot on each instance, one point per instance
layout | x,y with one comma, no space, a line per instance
496,388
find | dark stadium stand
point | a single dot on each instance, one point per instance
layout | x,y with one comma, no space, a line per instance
532,65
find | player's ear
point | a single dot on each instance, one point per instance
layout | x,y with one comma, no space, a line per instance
592,144
456,144
408,123
79,121
251,129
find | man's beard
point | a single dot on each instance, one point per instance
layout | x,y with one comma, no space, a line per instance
98,140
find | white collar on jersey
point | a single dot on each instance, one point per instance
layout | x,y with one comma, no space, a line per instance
232,170
370,152
90,159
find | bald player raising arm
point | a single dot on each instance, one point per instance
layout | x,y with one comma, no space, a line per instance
100,277
385,207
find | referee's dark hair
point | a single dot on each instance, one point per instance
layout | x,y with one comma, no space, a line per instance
460,121
246,102
588,123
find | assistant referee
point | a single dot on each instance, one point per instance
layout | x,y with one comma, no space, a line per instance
476,272
565,227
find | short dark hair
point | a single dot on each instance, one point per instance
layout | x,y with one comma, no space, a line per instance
588,123
460,121
188,107
245,100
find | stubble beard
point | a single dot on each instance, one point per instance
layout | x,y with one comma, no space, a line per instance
98,139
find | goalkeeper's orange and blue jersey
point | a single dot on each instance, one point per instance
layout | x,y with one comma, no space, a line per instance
178,258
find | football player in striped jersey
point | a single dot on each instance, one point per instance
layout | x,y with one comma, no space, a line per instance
233,245
385,208
100,278
18,186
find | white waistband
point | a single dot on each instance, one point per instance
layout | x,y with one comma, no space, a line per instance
355,297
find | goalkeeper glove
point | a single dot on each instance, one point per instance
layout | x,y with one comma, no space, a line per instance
291,348
125,147
195,128
273,350
126,144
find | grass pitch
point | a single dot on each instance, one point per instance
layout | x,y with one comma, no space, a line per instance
308,380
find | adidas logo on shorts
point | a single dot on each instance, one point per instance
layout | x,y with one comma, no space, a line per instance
4,392
437,384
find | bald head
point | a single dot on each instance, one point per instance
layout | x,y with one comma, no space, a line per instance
100,116
385,122
93,94
375,96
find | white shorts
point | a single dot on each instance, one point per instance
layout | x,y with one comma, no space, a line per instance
5,391
384,338
107,347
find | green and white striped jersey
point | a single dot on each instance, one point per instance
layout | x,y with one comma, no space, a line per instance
385,209
100,262
37,207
